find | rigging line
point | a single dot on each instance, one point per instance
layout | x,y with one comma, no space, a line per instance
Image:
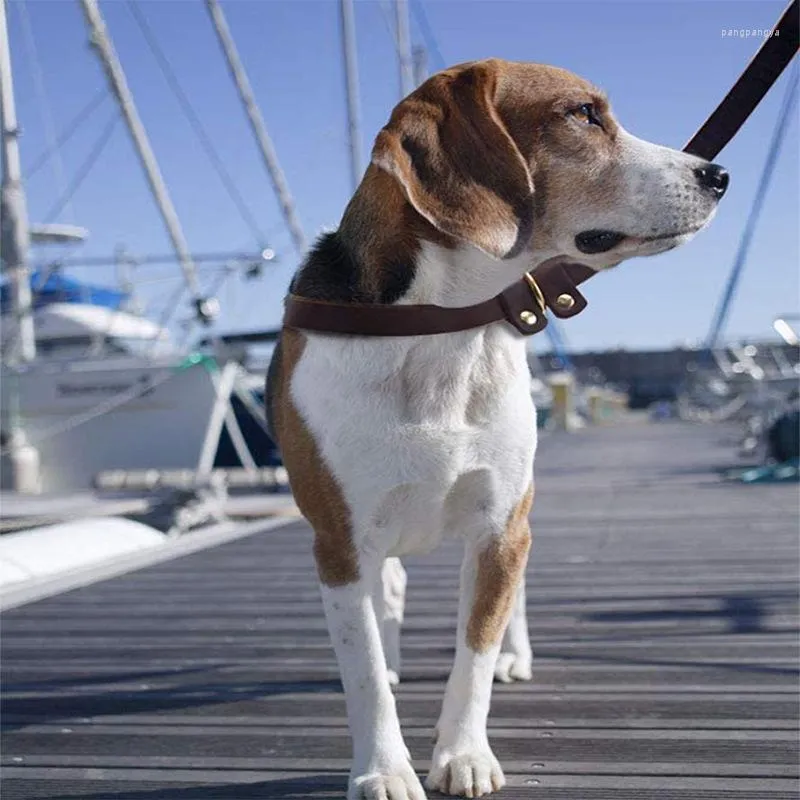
40,90
386,10
172,305
84,169
166,278
418,10
168,312
781,126
80,177
167,258
68,132
194,121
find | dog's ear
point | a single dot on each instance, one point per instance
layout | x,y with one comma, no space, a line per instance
457,163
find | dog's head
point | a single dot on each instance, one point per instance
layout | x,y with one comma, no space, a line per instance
511,157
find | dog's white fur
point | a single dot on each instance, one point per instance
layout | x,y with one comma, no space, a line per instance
390,417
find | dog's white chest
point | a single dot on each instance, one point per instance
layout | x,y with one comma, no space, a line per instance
425,436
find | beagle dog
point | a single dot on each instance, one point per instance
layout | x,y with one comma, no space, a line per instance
392,443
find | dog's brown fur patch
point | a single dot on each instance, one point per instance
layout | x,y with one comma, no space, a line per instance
385,233
458,166
500,568
315,489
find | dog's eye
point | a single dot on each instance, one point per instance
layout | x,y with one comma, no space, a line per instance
587,115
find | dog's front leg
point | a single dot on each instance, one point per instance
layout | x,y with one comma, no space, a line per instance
381,766
463,762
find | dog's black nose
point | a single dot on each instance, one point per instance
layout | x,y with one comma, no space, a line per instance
713,177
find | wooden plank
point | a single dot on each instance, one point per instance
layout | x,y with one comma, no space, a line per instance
663,612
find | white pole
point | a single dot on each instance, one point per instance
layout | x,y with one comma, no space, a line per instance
14,240
268,153
348,26
404,48
14,233
102,45
420,58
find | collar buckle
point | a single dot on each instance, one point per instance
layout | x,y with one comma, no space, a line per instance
535,291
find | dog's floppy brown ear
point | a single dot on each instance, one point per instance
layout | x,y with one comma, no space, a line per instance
457,163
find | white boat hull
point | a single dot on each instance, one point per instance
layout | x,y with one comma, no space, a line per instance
90,416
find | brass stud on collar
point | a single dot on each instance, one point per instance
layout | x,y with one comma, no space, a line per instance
528,317
565,301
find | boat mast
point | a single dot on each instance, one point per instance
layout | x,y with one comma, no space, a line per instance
14,241
348,29
102,45
405,58
268,153
14,232
420,58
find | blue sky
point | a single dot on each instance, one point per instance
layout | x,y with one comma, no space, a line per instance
665,66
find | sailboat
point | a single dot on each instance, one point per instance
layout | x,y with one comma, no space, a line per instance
93,394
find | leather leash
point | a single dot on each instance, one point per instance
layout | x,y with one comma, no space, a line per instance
760,74
554,284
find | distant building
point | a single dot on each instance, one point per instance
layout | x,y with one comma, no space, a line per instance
651,375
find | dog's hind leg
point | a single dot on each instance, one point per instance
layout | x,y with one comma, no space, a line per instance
391,599
516,657
381,766
463,762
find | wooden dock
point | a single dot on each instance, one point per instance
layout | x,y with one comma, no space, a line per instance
663,611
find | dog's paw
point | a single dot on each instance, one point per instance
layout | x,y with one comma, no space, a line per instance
474,773
401,784
512,667
394,678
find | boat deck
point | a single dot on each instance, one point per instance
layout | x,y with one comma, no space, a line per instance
663,611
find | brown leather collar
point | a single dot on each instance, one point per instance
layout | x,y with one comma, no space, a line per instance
553,285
